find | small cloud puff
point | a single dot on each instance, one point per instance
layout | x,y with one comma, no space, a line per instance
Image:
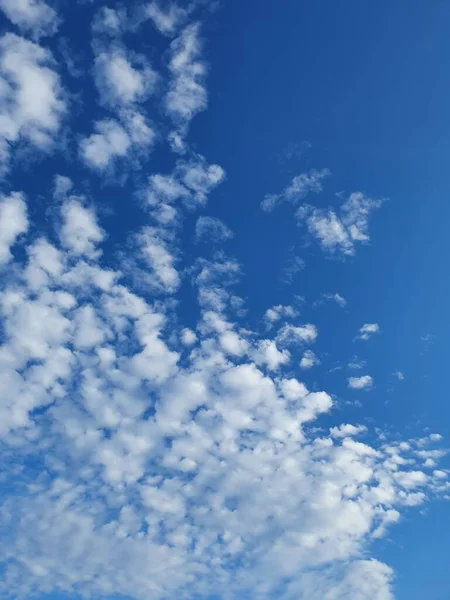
367,330
309,360
347,430
300,186
360,383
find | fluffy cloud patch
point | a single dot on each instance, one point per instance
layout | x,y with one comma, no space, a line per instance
339,232
292,334
309,360
166,20
360,383
122,81
31,98
13,222
112,141
32,16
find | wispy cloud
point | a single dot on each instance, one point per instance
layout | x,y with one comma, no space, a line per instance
368,330
339,232
212,229
300,186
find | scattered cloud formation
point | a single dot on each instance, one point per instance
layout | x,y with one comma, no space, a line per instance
336,232
368,330
339,232
278,312
157,438
360,383
399,375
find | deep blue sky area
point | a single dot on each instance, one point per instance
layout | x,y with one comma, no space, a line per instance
359,88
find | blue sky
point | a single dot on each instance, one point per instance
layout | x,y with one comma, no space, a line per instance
223,234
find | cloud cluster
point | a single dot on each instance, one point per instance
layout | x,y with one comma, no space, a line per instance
336,232
163,467
339,232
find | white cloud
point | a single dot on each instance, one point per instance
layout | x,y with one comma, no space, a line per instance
80,232
399,375
200,178
336,231
340,300
340,232
13,222
31,98
309,360
267,353
121,80
109,142
109,20
301,186
276,313
172,461
159,258
166,21
360,383
292,334
100,372
367,330
32,16
347,430
188,337
187,94
212,229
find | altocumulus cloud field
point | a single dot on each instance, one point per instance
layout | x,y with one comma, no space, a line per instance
178,420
